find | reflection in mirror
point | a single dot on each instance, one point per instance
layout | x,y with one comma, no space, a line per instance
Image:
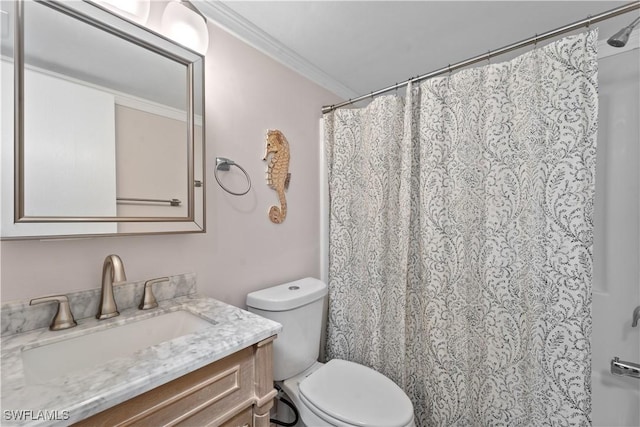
108,125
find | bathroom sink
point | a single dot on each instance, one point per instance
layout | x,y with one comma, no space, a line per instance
49,361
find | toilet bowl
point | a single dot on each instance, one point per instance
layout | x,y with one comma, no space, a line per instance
339,393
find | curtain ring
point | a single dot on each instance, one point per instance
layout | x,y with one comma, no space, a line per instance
589,21
489,56
224,164
449,67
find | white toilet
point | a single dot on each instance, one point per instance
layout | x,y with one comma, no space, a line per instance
338,393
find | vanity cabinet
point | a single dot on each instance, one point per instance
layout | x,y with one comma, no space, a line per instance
235,391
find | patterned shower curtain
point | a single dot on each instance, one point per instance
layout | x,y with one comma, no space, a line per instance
461,239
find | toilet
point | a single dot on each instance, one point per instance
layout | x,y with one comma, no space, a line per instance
337,393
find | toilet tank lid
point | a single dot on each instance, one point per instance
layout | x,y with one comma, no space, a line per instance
288,295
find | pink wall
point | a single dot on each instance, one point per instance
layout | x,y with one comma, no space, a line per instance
246,94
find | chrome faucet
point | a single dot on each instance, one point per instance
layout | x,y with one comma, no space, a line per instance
626,369
112,272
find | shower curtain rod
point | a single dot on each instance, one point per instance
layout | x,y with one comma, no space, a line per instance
629,7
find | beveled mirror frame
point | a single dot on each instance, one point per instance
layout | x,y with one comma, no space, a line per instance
99,17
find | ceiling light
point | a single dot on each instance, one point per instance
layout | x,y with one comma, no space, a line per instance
184,24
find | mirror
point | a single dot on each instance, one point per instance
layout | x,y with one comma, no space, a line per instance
102,125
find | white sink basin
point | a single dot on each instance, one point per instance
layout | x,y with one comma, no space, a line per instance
95,348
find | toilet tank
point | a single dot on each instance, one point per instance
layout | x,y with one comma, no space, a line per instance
298,307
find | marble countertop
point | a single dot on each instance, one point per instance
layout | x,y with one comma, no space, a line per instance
73,397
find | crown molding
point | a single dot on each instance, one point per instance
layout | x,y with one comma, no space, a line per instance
234,23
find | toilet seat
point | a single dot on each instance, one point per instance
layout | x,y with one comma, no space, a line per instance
349,394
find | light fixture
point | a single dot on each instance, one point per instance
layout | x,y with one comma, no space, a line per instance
184,24
133,10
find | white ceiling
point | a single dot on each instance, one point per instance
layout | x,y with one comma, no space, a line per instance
356,47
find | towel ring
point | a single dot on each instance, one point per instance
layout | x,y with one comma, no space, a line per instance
224,165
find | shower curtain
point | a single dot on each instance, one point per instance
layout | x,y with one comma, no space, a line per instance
461,239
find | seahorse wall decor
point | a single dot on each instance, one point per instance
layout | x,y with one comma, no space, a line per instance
278,175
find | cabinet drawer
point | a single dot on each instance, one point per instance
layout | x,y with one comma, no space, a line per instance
243,419
196,399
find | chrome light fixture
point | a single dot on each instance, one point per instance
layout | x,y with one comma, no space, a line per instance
183,23
621,38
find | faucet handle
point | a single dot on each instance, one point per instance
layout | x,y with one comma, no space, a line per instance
63,318
148,299
636,316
